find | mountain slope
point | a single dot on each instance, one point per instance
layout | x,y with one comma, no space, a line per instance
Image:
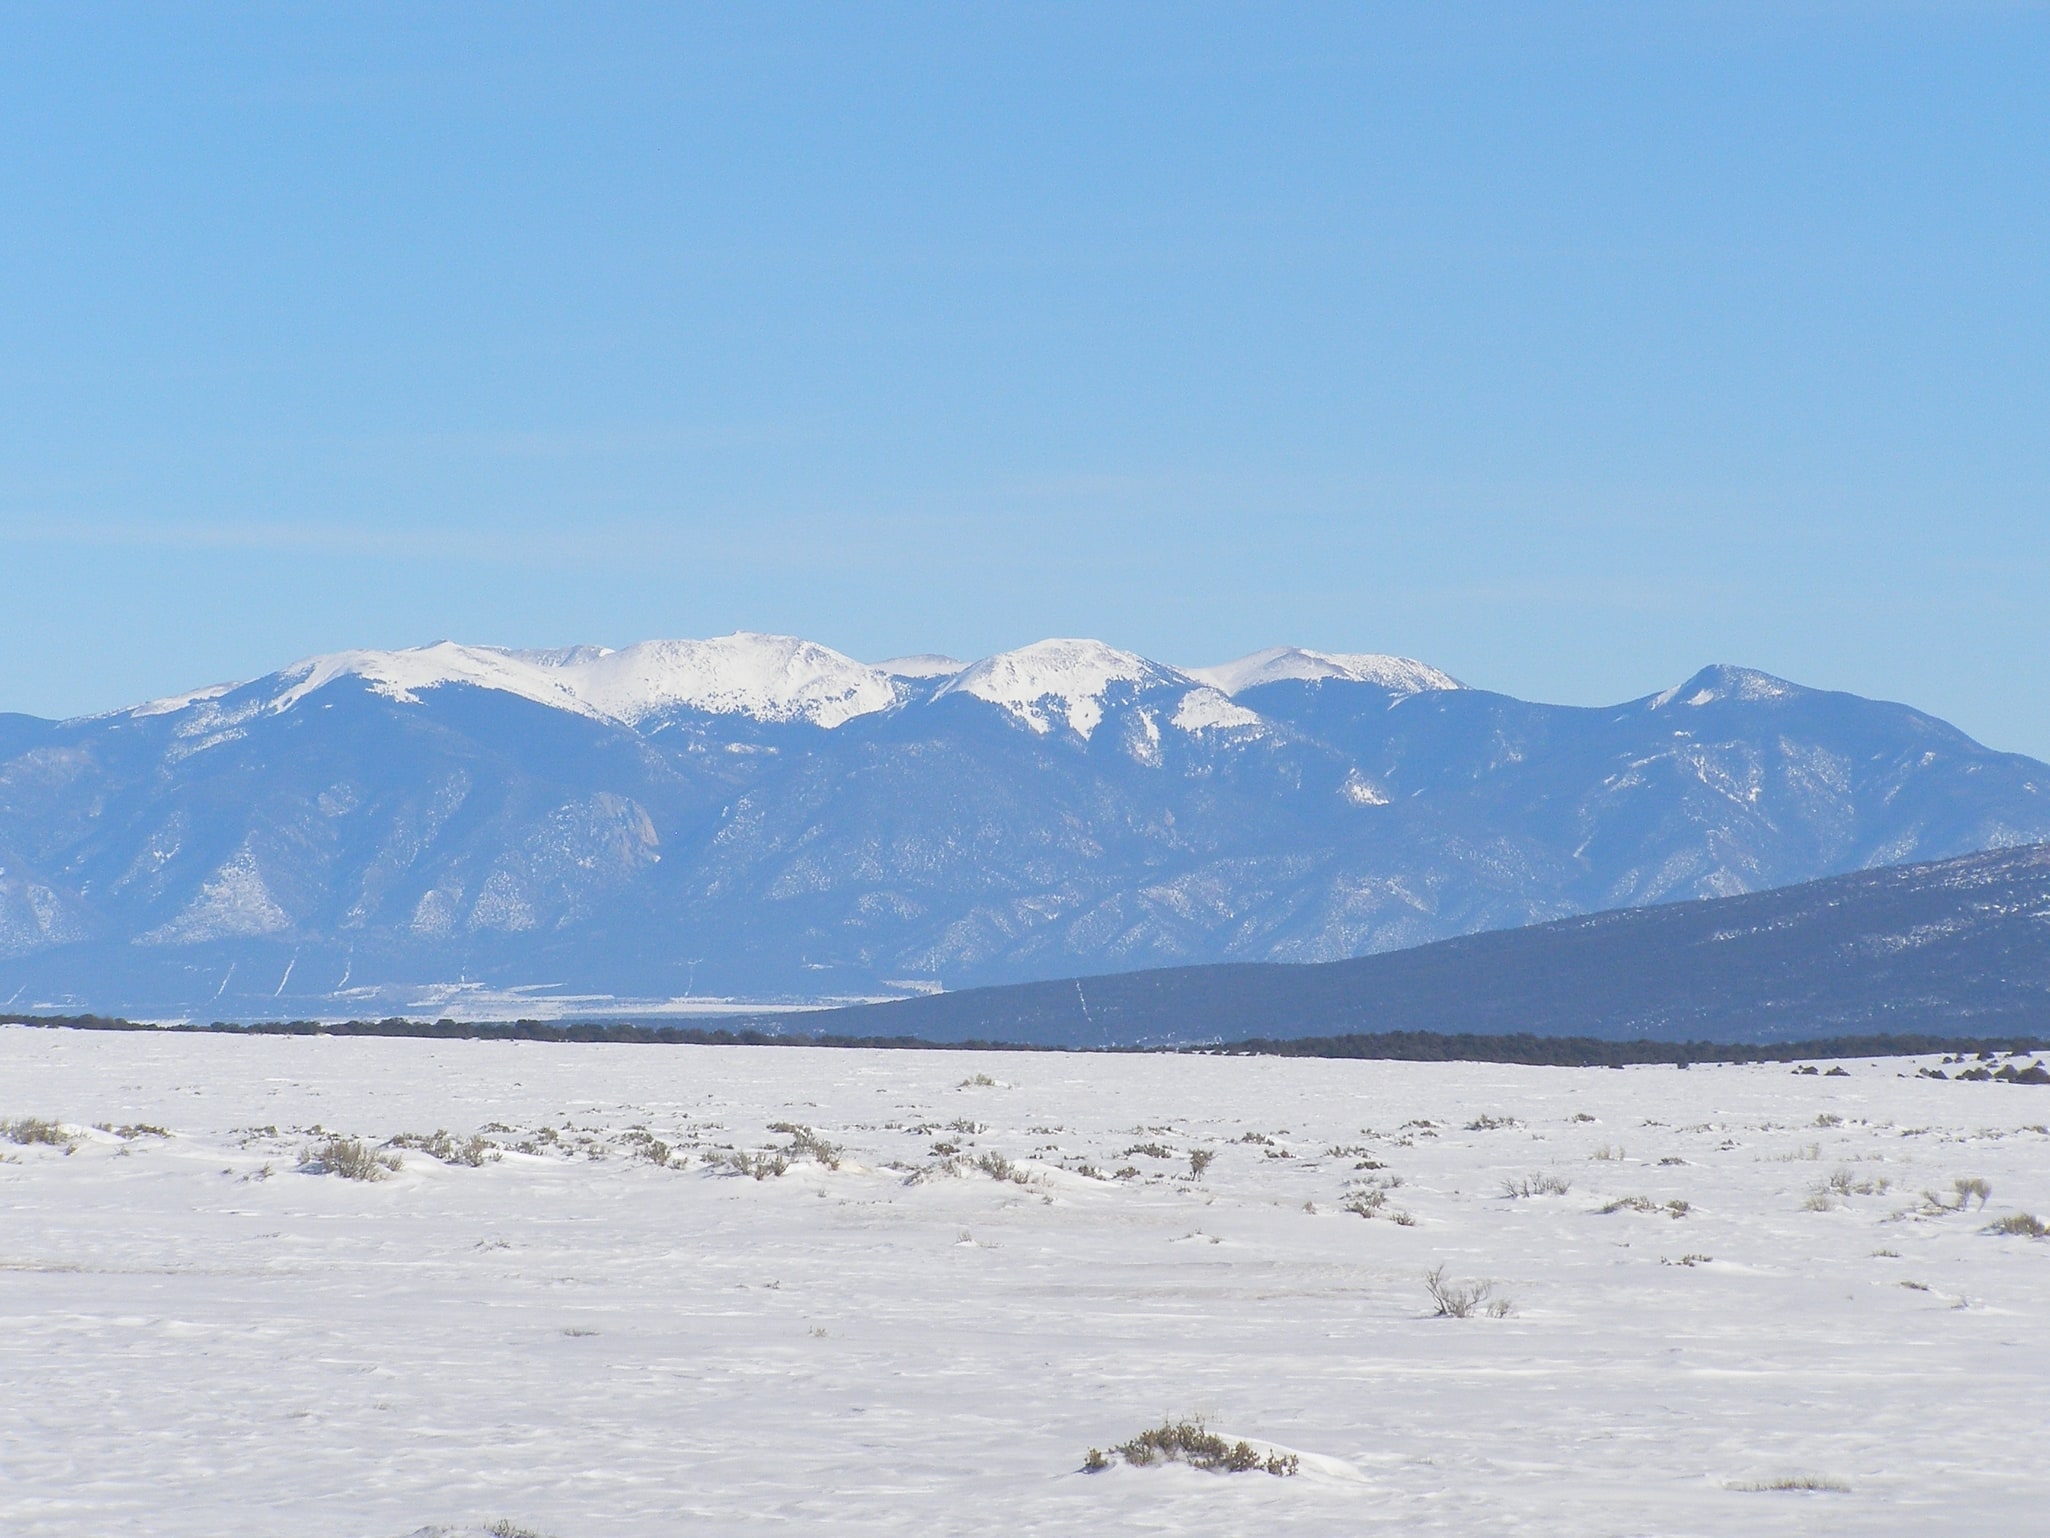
762,817
1952,948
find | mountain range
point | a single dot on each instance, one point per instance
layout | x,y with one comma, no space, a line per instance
471,829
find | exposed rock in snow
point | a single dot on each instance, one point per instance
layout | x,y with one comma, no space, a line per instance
1070,677
1399,675
559,656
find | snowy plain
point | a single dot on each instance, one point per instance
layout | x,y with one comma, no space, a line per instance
199,1337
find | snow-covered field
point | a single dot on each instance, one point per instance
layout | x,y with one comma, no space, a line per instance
198,1337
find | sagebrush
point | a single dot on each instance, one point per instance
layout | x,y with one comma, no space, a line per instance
351,1158
1193,1443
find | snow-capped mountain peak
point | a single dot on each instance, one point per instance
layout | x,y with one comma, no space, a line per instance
766,677
401,675
1398,675
1722,681
1071,676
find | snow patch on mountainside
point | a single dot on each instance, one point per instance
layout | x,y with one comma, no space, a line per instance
233,904
1208,710
32,916
173,703
1361,791
1069,678
766,677
1277,664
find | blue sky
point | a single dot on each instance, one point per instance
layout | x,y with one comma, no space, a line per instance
1568,347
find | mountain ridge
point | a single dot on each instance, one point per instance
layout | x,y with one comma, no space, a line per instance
778,821
1954,948
780,678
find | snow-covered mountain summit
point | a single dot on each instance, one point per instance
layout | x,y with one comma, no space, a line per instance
1723,681
1278,664
1070,679
403,675
764,677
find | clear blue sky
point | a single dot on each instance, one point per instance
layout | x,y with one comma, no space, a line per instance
1568,347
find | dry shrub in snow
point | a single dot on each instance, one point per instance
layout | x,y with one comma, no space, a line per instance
953,1166
1193,1443
762,1166
653,1149
351,1158
2022,1224
1367,1202
997,1167
1963,1189
472,1153
1536,1185
807,1144
1628,1204
33,1129
1459,1300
